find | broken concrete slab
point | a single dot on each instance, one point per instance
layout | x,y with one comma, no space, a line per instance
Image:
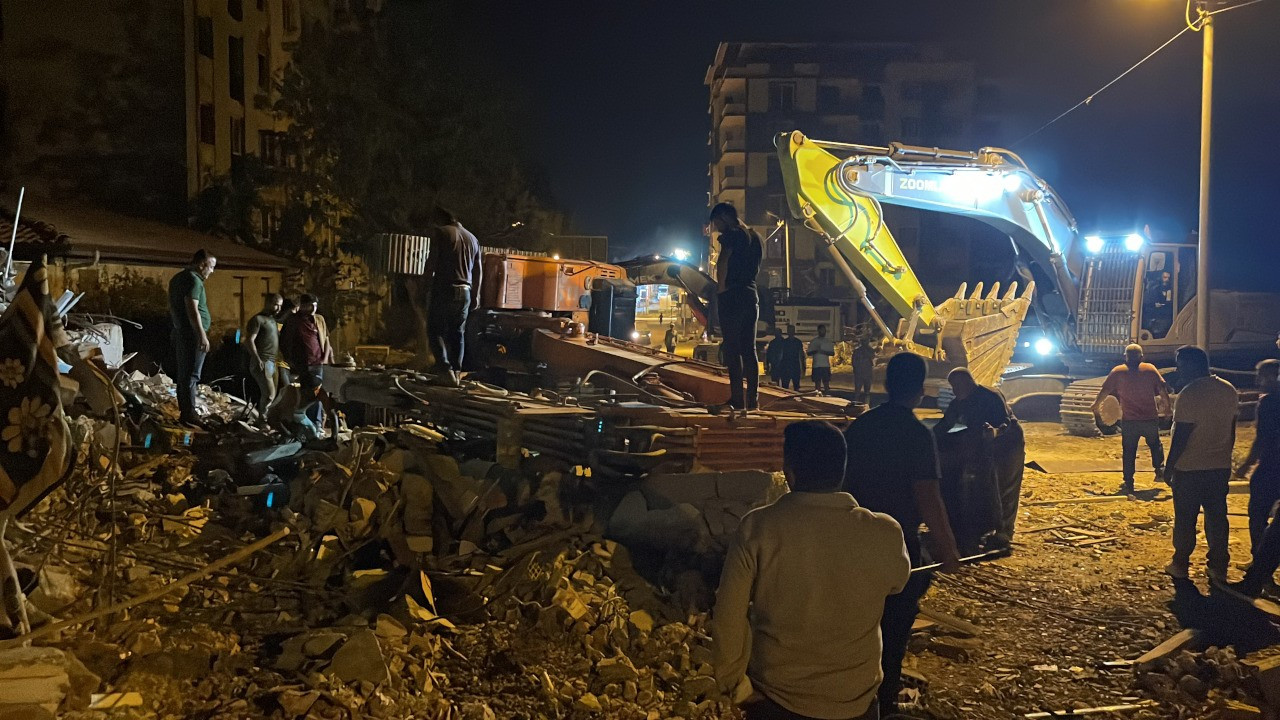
43,677
360,660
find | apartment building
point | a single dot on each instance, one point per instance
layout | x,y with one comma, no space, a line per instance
869,93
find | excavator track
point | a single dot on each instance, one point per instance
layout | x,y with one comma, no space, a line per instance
1076,410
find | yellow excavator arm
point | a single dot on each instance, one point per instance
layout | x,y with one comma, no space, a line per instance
968,329
851,224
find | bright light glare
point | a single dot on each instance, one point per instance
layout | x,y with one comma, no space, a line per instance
973,187
1012,182
1093,243
1133,242
635,334
555,257
1044,346
681,254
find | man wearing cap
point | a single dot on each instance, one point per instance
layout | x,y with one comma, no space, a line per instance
1135,384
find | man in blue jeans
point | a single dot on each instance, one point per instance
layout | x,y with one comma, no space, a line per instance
456,275
737,303
189,315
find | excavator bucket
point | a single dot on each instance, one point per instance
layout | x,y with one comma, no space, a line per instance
980,332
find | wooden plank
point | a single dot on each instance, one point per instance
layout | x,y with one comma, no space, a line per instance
1169,647
1059,526
1080,500
1096,541
1092,710
951,621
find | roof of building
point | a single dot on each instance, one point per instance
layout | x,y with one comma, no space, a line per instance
74,231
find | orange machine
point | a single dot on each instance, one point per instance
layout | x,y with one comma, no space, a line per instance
520,282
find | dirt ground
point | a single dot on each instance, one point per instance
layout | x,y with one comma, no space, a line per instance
1084,587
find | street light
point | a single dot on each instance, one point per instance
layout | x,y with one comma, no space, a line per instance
681,254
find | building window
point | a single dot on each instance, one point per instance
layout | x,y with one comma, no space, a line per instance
782,95
235,67
264,72
208,133
235,8
289,15
730,171
275,150
204,36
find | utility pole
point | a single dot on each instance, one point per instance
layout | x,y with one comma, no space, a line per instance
1206,133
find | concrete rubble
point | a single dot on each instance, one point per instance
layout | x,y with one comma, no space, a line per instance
419,577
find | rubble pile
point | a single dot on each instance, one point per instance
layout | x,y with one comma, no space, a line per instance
414,579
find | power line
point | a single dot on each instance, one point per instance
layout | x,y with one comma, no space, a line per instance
1088,99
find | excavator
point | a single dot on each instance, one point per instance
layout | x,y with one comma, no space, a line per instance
1089,295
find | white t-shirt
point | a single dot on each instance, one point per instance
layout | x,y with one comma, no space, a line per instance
1210,404
822,349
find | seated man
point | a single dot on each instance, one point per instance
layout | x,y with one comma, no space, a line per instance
797,616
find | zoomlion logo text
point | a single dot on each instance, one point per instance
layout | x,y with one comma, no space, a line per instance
911,183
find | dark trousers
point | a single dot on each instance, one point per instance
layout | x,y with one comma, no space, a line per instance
862,381
1131,431
822,378
1193,491
188,363
767,709
311,380
446,325
1010,452
1266,554
1264,492
739,312
895,630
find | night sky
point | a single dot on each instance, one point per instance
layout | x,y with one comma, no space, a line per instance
618,112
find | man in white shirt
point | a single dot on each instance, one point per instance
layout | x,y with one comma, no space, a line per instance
1199,465
822,348
797,616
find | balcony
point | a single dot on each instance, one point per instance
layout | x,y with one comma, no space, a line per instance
732,143
733,182
734,108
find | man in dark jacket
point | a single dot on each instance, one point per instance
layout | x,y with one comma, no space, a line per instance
738,303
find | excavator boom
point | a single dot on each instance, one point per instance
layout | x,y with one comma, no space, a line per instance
838,188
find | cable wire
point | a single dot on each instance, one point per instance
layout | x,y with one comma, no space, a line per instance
1089,99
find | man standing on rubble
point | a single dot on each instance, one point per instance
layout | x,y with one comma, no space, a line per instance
262,344
738,303
893,468
305,342
456,275
189,315
1264,486
1136,384
993,440
1199,468
795,625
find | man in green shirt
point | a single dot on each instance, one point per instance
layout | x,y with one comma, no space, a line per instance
262,343
189,313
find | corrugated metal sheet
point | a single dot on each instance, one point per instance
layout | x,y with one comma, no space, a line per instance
401,254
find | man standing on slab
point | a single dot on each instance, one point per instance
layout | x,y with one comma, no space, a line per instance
737,303
796,620
189,316
455,291
1136,384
